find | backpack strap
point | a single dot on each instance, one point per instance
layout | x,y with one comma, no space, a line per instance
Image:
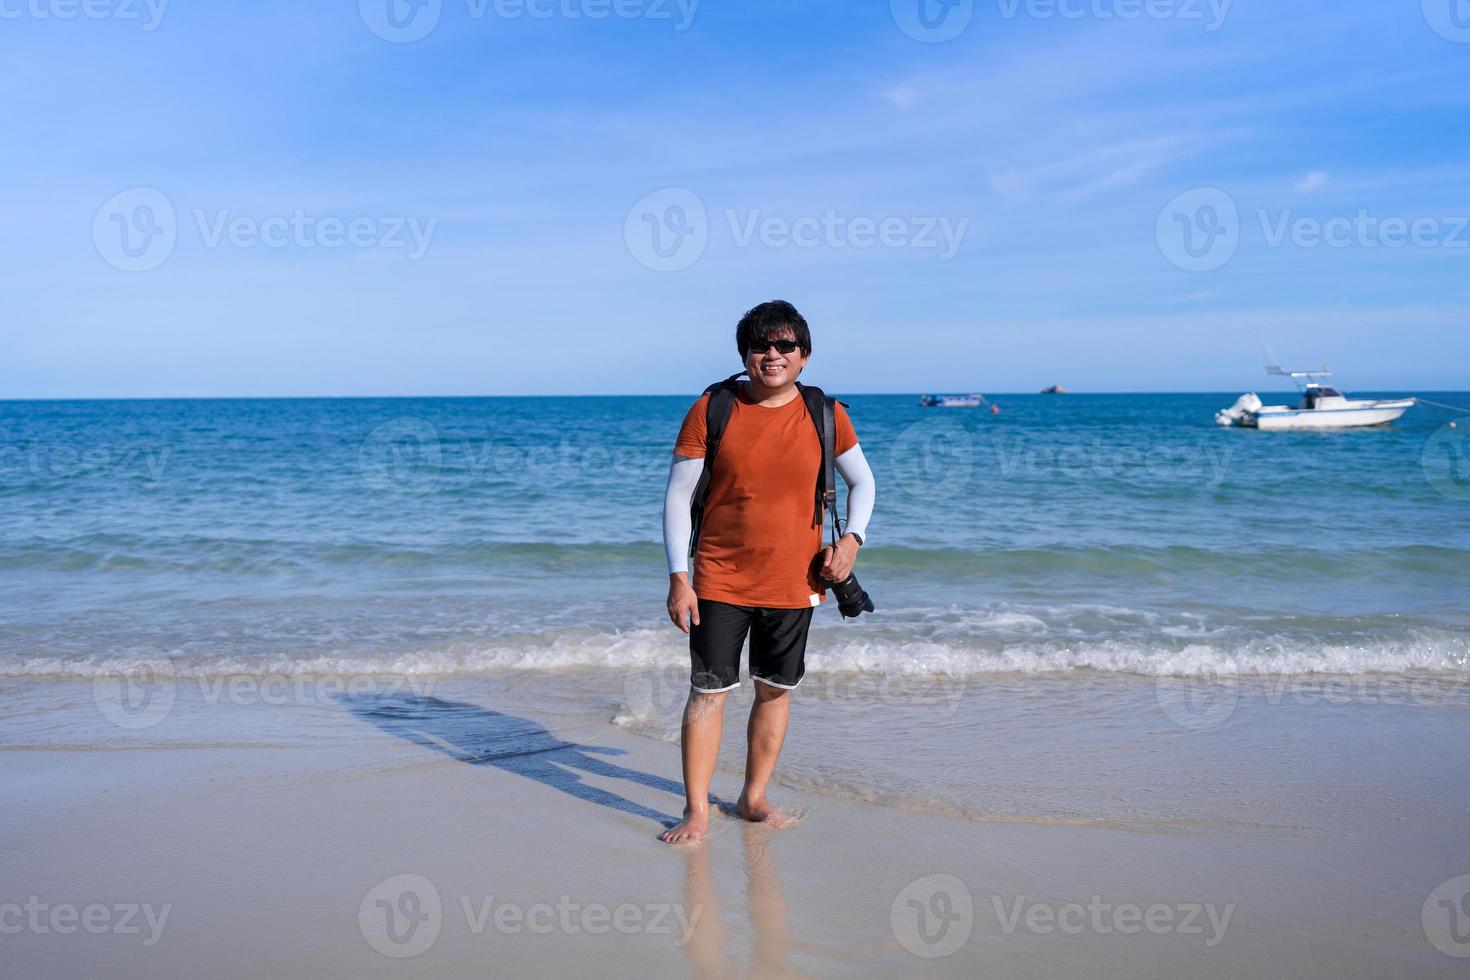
823,410
717,413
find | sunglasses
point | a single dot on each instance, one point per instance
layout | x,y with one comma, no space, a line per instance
784,346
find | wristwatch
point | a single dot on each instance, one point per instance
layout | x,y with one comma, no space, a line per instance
858,536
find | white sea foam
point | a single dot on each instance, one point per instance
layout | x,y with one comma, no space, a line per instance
957,649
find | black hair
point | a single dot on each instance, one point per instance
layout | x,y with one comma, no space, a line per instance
767,320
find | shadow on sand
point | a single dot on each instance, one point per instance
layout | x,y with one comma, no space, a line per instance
482,737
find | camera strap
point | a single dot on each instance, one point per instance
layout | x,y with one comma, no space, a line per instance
829,464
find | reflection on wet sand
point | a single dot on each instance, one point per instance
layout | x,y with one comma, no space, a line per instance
772,942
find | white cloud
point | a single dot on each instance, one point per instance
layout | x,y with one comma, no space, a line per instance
1314,180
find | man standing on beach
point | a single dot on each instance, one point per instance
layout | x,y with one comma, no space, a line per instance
754,568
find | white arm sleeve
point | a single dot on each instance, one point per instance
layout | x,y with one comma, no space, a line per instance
683,478
862,490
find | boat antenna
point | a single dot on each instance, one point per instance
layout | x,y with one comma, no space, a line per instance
1271,366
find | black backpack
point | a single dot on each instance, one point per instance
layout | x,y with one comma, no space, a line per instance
822,409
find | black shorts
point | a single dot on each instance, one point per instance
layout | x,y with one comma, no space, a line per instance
777,645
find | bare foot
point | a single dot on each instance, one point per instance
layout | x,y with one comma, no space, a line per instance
760,811
689,830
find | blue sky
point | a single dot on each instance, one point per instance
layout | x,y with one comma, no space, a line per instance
993,212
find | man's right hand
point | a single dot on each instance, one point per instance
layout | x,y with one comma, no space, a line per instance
682,601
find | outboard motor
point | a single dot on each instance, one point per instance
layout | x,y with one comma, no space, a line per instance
1246,404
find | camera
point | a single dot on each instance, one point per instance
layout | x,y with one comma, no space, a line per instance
852,600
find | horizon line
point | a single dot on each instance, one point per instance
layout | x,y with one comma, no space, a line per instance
674,394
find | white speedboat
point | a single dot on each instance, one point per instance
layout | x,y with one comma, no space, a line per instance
1321,407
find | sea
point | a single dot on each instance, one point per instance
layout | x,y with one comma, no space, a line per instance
1068,553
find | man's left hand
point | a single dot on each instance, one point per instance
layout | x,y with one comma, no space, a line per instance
837,565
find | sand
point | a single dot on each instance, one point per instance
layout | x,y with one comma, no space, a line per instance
363,842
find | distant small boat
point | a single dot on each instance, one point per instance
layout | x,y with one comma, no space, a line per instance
952,401
1054,390
1321,407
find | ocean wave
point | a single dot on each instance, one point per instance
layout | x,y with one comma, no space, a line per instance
191,553
1004,649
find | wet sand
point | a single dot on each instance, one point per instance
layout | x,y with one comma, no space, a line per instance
457,834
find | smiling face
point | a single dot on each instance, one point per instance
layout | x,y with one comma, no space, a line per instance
772,370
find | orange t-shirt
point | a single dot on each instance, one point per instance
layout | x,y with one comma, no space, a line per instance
758,540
